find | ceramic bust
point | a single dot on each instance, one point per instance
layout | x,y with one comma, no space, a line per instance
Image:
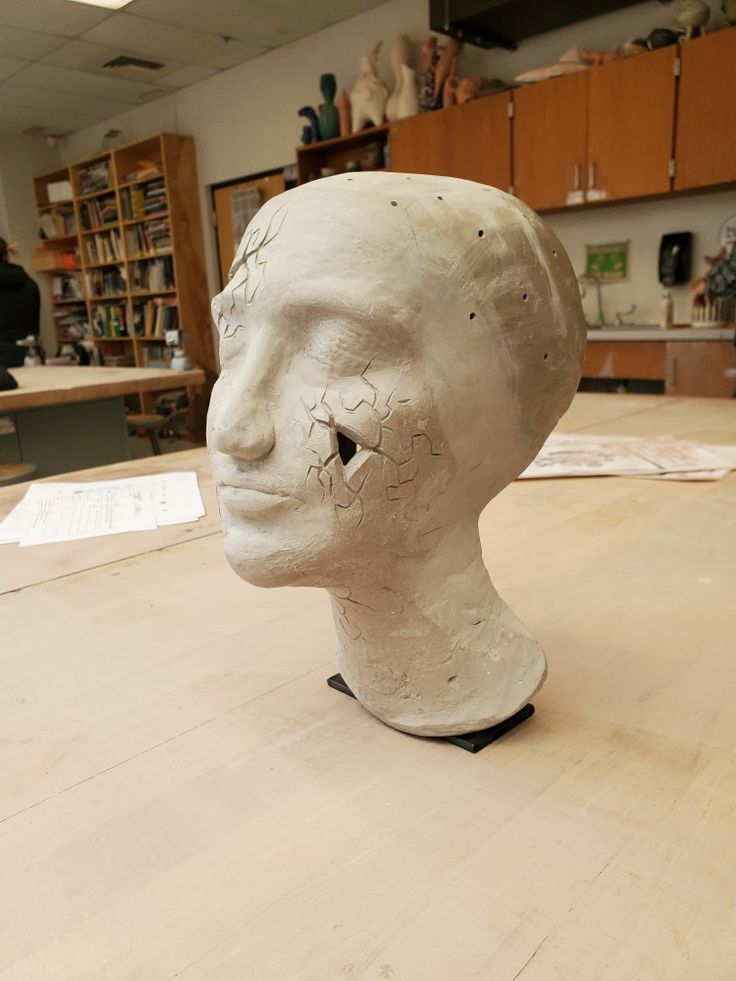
395,349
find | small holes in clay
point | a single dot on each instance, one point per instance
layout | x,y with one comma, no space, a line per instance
525,297
554,252
472,316
394,204
440,198
481,233
546,356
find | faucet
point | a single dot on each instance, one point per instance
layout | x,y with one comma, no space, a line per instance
589,278
620,314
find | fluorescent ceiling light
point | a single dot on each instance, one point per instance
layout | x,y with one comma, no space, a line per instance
110,4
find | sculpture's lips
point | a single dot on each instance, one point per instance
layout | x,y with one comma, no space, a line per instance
249,498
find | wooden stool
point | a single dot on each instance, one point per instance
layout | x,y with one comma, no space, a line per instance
13,473
151,423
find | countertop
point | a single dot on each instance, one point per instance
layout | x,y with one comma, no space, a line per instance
653,333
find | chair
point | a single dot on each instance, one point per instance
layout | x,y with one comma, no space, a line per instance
151,423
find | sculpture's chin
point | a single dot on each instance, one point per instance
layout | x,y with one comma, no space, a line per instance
262,562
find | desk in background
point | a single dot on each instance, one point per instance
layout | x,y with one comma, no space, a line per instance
68,418
181,795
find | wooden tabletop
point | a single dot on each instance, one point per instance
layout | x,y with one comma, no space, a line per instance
58,384
181,795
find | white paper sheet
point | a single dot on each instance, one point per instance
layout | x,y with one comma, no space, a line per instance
584,455
60,511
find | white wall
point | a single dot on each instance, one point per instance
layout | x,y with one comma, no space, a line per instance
244,121
21,159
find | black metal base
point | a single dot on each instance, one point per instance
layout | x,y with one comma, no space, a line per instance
471,741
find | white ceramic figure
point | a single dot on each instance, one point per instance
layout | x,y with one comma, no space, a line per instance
408,100
370,93
400,58
395,349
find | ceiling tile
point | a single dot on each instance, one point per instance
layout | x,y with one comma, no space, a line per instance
162,41
54,16
188,76
14,94
243,20
52,118
9,66
88,57
16,43
328,11
82,83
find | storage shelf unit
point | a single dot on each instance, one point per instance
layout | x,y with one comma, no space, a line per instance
116,196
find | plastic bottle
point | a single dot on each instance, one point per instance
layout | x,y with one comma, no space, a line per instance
666,311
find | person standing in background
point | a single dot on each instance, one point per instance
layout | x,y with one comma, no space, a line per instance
20,308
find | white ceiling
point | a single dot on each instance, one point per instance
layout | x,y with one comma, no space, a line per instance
52,51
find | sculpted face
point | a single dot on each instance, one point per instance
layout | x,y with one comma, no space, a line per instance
394,350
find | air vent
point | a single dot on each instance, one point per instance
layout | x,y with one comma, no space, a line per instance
125,61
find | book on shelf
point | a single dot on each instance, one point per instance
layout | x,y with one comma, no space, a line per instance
152,275
144,201
94,177
56,224
154,317
66,287
71,324
110,320
98,212
155,356
103,246
144,170
147,237
108,281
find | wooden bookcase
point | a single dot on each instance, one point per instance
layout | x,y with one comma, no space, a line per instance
125,252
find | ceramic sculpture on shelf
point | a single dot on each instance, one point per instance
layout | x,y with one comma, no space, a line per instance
368,98
329,118
458,91
692,17
428,56
310,133
445,69
362,421
400,59
343,110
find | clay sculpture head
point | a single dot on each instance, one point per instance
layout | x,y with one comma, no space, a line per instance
395,349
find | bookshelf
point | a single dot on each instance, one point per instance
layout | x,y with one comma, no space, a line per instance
123,249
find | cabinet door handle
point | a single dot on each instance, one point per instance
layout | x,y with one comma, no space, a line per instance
591,175
576,178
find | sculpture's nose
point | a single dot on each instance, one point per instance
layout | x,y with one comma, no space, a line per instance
240,417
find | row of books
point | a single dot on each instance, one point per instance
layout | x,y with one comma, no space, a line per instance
144,201
153,236
110,320
66,287
56,223
154,317
152,275
94,177
155,356
103,246
144,170
100,211
109,281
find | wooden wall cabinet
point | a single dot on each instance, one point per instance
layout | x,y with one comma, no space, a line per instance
705,147
550,142
472,141
631,118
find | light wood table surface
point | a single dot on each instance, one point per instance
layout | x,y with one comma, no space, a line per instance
65,418
60,384
181,795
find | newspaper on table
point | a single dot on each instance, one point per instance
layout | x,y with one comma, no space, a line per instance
64,511
587,455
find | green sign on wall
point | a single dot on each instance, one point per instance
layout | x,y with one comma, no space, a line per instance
610,263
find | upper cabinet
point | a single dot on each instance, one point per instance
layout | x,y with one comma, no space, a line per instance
550,129
705,148
631,118
472,141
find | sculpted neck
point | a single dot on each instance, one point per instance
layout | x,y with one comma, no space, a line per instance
429,646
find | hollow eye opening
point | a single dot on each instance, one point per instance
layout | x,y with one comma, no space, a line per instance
346,447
